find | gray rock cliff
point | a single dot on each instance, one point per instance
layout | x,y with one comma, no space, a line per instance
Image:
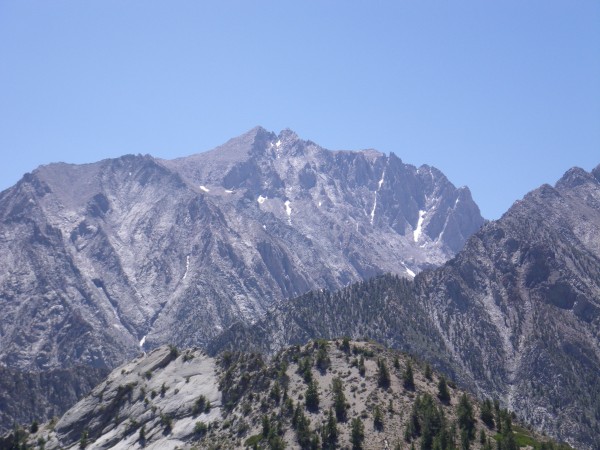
101,261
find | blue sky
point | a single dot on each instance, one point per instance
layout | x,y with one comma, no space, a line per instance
501,96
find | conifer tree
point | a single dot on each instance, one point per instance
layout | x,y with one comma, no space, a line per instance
345,347
361,366
357,435
428,374
466,421
378,419
487,415
312,397
383,374
443,393
408,379
330,433
339,399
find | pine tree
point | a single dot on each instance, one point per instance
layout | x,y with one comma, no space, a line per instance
428,374
378,419
361,366
330,433
302,425
304,369
443,393
358,434
465,441
345,347
487,415
339,399
408,379
413,427
276,392
464,413
323,360
266,426
383,374
83,441
312,397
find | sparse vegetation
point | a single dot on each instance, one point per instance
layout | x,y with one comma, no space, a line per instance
274,407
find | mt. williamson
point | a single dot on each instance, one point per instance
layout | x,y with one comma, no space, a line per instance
101,259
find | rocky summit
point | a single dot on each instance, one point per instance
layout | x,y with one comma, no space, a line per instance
102,261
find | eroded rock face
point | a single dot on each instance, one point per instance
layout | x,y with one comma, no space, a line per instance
97,257
519,307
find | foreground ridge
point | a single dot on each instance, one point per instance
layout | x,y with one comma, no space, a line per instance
326,394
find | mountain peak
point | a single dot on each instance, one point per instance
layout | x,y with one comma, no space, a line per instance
596,172
574,177
288,134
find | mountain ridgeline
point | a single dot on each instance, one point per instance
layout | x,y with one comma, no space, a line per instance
105,260
101,261
515,315
97,257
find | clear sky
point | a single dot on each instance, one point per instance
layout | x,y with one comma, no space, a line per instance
502,96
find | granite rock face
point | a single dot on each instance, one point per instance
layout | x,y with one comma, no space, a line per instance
101,261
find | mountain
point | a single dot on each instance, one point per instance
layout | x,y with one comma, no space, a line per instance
98,257
514,316
101,261
338,393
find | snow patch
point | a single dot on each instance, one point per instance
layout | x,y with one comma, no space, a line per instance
381,181
373,210
288,211
320,203
419,229
278,144
142,342
229,191
410,272
187,266
264,227
261,199
204,188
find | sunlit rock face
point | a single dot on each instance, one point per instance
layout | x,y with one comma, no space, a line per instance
101,257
